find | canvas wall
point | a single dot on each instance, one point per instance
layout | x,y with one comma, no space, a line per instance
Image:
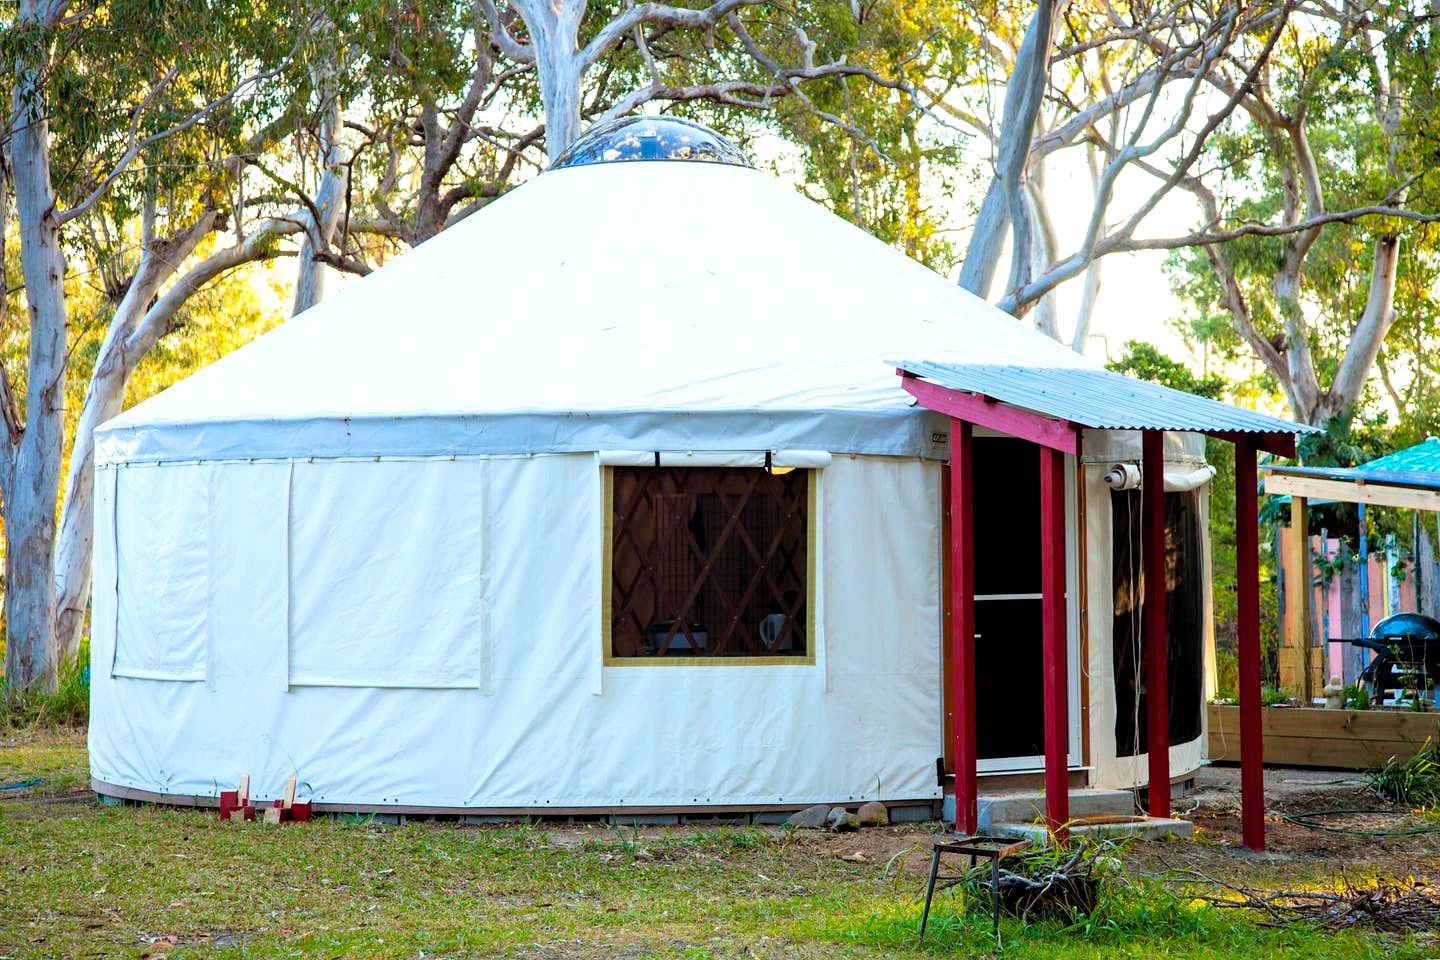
426,632
1184,470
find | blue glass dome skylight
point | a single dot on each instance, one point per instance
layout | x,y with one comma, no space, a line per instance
650,138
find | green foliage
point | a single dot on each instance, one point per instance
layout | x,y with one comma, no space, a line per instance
68,706
1413,780
1356,698
1366,113
1144,361
1274,697
119,881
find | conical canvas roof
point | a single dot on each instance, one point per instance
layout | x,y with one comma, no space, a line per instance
653,305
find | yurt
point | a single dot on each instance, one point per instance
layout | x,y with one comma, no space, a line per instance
607,500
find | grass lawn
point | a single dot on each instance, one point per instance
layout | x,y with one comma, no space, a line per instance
85,880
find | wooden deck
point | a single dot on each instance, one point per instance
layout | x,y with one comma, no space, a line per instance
1313,737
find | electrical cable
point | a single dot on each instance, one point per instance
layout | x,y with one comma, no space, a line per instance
1308,820
21,785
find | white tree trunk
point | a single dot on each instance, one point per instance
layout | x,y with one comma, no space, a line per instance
1024,92
1042,248
987,239
104,398
1085,316
560,67
329,200
1369,333
32,475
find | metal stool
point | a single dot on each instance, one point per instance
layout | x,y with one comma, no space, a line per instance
993,849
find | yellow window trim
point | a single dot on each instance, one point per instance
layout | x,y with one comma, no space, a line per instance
812,519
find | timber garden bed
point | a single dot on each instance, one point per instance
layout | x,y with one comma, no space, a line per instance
1317,737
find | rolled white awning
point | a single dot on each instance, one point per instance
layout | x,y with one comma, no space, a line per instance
810,459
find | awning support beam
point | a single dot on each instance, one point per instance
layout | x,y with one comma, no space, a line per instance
981,411
1279,444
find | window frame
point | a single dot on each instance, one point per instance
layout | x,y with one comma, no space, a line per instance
607,549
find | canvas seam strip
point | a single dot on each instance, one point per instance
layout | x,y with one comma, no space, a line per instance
285,647
115,559
485,681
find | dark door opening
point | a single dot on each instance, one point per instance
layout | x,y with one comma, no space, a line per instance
1009,694
1184,618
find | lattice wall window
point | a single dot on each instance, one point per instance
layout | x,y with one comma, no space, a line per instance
709,562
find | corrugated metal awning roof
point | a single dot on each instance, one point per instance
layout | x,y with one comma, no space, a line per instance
1099,399
1423,457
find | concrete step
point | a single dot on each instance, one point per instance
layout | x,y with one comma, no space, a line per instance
1025,806
1139,828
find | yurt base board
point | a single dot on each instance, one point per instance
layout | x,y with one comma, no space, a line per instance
900,810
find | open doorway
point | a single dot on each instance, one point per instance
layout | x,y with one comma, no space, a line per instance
1009,694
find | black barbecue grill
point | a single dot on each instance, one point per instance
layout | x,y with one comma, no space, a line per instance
1407,653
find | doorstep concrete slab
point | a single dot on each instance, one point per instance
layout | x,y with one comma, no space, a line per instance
1140,828
1024,806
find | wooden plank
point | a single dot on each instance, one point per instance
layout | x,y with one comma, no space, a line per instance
1053,633
962,654
1280,444
1059,435
1291,752
1350,739
1156,643
1348,491
1247,637
1399,725
1297,598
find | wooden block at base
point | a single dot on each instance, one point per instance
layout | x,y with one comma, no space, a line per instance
272,814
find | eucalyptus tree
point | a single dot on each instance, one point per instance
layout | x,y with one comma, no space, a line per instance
133,127
1131,87
1294,125
600,63
1332,185
441,113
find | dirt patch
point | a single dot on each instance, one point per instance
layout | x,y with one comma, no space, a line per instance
1218,851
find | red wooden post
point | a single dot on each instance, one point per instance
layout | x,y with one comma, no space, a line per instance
962,655
1052,578
1156,631
1247,617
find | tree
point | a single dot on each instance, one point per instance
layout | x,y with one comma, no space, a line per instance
1336,164
1145,361
1132,89
30,456
748,54
1314,102
98,92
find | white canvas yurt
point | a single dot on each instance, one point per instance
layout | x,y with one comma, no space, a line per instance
606,499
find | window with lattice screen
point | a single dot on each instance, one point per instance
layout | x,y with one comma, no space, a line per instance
709,562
